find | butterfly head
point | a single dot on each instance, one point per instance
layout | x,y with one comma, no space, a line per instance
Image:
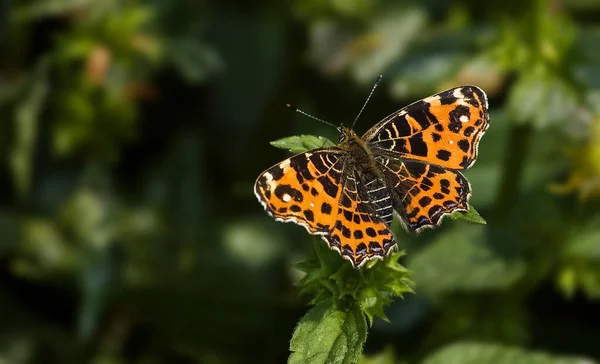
346,134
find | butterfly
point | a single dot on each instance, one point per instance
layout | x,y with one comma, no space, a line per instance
408,163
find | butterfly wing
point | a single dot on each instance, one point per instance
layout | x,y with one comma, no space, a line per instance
360,232
442,129
424,193
304,189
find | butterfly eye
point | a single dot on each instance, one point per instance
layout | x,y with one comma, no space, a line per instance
344,133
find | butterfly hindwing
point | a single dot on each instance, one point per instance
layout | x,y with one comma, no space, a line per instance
304,189
359,233
424,193
442,129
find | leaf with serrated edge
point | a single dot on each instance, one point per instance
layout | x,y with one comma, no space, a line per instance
329,335
471,216
302,143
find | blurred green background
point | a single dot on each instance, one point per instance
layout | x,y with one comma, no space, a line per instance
131,133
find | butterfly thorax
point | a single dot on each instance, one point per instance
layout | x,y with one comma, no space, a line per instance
360,154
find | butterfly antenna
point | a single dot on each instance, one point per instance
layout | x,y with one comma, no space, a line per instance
368,98
310,116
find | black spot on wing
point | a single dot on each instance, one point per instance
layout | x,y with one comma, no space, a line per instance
346,201
416,169
417,145
468,131
371,232
449,205
401,125
300,165
420,112
316,159
283,190
433,170
447,97
424,201
464,145
443,155
426,184
445,184
455,124
348,215
469,94
346,232
413,213
329,187
308,214
276,172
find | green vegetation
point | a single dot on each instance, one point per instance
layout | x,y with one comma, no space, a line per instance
132,132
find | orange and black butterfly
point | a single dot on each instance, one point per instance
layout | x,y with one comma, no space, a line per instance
409,162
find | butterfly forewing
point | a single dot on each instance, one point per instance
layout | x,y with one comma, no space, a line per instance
442,129
304,189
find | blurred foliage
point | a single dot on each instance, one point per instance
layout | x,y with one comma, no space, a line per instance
132,132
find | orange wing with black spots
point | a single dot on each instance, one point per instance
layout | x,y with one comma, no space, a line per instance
424,193
360,233
304,189
442,129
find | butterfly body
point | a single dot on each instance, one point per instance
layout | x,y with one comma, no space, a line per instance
359,156
409,163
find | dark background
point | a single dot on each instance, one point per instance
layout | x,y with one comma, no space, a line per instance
131,133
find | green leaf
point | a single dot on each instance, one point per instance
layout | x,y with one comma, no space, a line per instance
328,277
471,216
302,143
483,353
372,302
327,334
